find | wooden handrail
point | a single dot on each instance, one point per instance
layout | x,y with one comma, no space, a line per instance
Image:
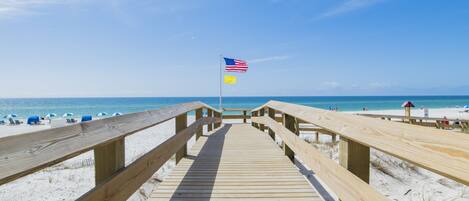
127,181
236,116
244,114
346,185
236,109
440,151
412,117
24,154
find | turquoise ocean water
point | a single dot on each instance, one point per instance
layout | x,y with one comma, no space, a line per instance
25,107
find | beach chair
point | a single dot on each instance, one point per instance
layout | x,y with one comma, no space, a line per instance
2,122
12,122
18,122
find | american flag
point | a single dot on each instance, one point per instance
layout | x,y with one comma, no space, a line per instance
235,65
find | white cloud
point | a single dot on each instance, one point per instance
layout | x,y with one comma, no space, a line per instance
330,85
348,6
378,85
10,8
266,59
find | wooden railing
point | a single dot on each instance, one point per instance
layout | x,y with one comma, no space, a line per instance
463,124
440,151
244,114
24,154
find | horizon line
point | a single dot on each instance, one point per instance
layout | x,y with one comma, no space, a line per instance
71,97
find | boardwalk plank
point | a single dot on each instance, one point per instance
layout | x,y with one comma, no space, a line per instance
237,162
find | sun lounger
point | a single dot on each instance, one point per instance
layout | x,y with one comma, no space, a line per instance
71,121
14,121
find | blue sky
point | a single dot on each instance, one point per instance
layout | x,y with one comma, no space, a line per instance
76,48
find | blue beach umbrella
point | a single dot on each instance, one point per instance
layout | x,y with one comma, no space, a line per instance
116,114
101,114
466,106
10,116
50,115
69,114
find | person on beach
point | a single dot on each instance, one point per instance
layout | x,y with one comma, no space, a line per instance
425,112
445,123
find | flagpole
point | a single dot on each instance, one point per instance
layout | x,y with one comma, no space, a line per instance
220,100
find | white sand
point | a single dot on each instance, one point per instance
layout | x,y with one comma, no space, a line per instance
74,177
7,130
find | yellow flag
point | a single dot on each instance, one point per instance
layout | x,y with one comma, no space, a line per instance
230,79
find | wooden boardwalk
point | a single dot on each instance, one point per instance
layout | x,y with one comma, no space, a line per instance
237,162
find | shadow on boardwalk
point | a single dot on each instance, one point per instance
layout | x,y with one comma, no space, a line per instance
202,173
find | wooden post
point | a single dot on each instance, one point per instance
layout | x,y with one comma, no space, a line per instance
261,113
464,126
217,114
334,136
244,116
407,115
272,116
355,157
181,124
209,114
290,123
198,115
254,114
108,159
317,137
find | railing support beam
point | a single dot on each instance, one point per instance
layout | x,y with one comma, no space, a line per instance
209,114
181,124
291,124
244,116
217,125
355,157
199,115
109,159
261,113
272,116
254,114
